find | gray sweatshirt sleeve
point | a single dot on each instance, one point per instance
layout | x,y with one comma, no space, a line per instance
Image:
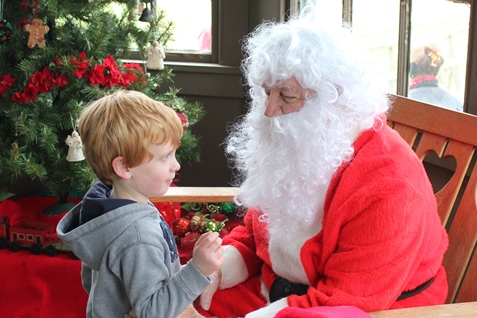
86,277
157,287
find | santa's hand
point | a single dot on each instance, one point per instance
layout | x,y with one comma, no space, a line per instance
208,293
208,253
270,310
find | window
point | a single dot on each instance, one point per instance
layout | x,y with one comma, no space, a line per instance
406,37
192,24
191,30
379,33
401,37
439,36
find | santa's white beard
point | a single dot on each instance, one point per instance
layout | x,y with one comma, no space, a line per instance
288,161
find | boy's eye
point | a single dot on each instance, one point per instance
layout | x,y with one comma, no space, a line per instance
168,156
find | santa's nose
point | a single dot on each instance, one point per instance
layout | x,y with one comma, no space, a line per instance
273,107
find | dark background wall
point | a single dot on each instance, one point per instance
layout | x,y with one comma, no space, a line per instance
219,87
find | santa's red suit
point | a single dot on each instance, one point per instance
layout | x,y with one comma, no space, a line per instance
380,235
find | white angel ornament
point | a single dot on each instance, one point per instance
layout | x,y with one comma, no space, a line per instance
155,56
75,153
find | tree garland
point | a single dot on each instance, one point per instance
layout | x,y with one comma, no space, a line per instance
106,74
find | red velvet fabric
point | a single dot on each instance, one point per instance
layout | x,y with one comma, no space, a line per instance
39,285
323,312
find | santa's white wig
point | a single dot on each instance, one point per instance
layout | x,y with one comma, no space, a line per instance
285,161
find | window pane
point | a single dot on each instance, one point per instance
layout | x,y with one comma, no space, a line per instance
327,10
192,21
439,36
379,33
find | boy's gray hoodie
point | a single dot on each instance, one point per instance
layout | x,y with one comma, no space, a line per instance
129,258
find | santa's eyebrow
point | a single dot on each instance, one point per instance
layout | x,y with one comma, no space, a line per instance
286,88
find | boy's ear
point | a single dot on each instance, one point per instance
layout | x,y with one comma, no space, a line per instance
120,168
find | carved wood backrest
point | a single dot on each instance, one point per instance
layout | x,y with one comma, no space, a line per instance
448,133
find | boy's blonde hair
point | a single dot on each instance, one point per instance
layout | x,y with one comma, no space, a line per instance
125,123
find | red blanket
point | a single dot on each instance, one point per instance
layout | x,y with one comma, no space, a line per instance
323,312
39,285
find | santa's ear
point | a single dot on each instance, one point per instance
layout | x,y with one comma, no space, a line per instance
120,168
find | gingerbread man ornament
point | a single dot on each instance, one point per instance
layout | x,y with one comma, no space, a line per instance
37,33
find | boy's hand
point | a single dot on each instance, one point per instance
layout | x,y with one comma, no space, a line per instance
190,312
208,253
131,314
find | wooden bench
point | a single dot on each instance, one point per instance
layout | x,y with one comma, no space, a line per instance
197,195
425,128
458,310
448,133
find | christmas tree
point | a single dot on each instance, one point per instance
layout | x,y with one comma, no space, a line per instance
57,56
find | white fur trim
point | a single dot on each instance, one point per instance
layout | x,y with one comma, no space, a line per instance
270,310
285,253
264,290
234,270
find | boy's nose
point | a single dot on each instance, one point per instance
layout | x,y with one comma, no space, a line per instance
177,165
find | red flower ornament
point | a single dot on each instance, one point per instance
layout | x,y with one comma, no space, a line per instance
5,83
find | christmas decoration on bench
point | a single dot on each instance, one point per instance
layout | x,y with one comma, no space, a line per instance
198,218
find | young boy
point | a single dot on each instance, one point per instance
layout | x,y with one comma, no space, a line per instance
129,258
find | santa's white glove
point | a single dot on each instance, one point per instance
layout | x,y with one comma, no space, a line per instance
232,272
270,310
208,293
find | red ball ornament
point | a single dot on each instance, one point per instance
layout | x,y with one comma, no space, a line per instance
219,217
188,241
177,177
184,212
204,209
184,120
180,226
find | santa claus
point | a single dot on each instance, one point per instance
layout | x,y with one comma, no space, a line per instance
340,209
